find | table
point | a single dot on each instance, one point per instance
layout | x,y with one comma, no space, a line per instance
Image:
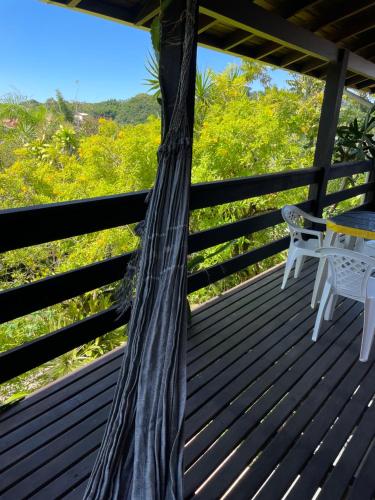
355,224
360,224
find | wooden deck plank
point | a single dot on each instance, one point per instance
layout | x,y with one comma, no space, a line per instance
261,300
280,401
266,373
256,384
337,483
31,408
211,388
324,403
257,317
57,428
259,343
223,403
97,370
303,448
246,335
364,484
320,464
214,306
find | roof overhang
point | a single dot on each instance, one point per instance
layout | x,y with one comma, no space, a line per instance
298,35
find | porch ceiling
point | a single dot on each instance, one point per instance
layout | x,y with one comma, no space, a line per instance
299,35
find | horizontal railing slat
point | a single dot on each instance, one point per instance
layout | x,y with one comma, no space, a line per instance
43,223
32,354
46,292
227,232
40,224
216,193
346,194
215,273
350,168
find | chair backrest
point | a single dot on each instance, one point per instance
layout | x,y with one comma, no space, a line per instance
349,271
295,218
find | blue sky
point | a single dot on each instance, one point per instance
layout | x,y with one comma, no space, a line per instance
87,58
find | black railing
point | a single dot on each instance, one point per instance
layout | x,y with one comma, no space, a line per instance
40,224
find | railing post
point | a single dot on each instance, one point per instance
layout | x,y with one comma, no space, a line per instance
329,118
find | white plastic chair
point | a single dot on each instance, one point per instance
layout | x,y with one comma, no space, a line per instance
300,248
349,275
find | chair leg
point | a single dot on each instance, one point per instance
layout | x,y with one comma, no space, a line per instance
359,245
331,306
299,264
368,329
288,267
350,242
321,274
319,317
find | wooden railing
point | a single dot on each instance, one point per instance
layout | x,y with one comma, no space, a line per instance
29,226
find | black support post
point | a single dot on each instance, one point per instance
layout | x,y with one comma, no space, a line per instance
328,126
369,198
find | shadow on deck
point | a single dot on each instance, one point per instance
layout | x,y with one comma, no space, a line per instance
268,410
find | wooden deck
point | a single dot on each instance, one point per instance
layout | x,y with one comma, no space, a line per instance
268,410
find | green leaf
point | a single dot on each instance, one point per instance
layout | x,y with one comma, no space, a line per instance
155,35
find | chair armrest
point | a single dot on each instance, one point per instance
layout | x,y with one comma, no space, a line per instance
317,220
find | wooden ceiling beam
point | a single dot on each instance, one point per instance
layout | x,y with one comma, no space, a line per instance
292,59
266,49
250,17
339,13
236,38
290,8
312,66
205,23
354,80
362,40
100,9
286,10
213,42
361,66
320,74
356,27
365,85
362,50
246,52
148,11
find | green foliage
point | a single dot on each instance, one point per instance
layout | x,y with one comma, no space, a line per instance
355,140
22,121
152,82
64,108
45,158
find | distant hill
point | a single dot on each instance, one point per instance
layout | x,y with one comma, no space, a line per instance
134,110
125,111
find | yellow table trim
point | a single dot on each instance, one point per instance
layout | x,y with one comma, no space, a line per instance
352,231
